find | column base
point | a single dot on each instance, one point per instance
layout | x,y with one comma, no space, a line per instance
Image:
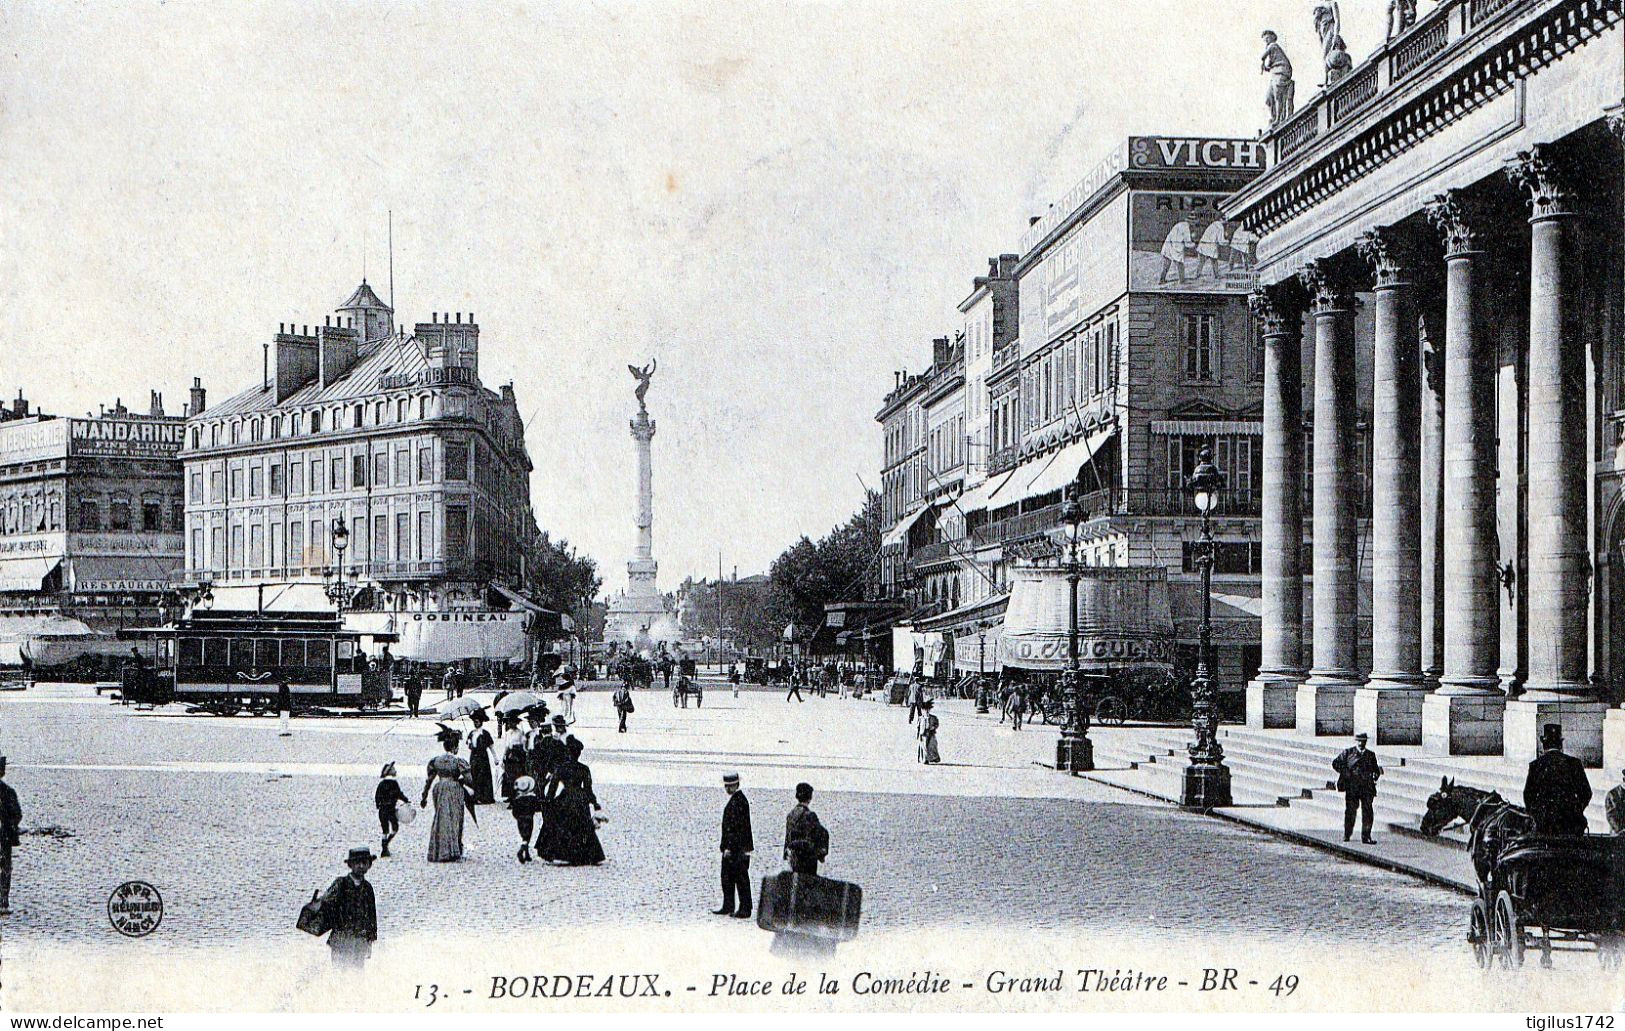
1581,720
1462,724
1613,739
1325,707
1074,755
1206,787
1272,702
1391,715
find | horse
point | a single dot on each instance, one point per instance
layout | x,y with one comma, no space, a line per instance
1492,821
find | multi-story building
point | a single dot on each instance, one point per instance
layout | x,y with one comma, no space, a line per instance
90,528
1115,347
390,432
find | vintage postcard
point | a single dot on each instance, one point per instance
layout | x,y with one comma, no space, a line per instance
514,509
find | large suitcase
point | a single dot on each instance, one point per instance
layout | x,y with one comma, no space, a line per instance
820,907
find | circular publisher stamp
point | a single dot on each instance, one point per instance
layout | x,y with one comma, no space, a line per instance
135,909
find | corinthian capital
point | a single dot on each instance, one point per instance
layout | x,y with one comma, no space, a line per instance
1542,174
1278,308
1459,223
1330,287
1388,254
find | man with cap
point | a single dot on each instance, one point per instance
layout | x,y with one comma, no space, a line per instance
806,842
351,912
737,845
1357,773
11,819
1556,791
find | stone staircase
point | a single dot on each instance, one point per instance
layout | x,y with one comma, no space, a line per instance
1281,768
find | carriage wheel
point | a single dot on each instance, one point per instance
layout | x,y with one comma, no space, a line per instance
1508,933
1109,711
1478,934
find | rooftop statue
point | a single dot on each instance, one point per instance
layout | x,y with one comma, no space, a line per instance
643,376
1329,27
1278,95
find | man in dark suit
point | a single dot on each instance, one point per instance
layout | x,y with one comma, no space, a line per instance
737,845
806,842
11,819
1357,773
1556,791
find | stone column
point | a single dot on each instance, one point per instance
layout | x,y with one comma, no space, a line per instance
1430,329
1559,688
1463,717
1272,696
1390,707
1614,721
1325,701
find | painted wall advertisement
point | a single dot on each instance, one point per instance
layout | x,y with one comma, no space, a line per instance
30,441
127,438
1079,273
1181,242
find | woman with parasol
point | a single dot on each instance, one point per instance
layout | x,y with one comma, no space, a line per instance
448,780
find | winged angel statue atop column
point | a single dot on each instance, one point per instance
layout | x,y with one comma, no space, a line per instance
643,376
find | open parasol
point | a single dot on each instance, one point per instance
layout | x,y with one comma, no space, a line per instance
461,707
518,701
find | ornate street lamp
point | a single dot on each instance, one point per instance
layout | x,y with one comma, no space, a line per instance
1074,751
981,678
342,581
1207,779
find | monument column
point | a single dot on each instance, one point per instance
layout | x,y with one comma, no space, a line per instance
1558,690
1325,702
1463,717
643,563
1272,696
1390,707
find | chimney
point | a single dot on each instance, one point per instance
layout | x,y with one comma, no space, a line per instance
195,407
337,351
19,407
941,349
265,366
293,362
156,408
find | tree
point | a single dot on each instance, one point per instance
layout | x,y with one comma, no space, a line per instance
559,578
840,567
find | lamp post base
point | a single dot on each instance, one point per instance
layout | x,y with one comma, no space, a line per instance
1075,755
1206,787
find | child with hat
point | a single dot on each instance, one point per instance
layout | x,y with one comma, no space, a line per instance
525,805
351,911
386,797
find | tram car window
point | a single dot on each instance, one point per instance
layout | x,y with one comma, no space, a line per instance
242,653
216,651
191,652
319,653
293,652
266,654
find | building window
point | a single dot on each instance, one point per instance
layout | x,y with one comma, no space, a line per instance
425,465
217,548
216,486
118,513
234,559
197,559
403,536
197,437
425,536
256,480
296,477
316,545
358,464
296,544
1230,558
378,412
256,430
90,515
276,480
296,423
423,408
214,434
177,516
456,461
195,487
236,432
456,533
256,545
152,515
316,421
400,410
360,416
380,538
380,469
276,427
236,482
403,468
275,556
1201,346
336,468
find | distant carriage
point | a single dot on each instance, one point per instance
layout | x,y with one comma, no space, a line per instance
232,663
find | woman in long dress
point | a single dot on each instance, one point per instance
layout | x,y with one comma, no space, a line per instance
570,835
448,779
512,748
928,736
479,759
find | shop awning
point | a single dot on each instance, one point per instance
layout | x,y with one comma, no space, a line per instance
899,533
980,651
976,499
448,636
999,492
119,574
982,613
1124,618
17,629
26,574
1056,471
519,601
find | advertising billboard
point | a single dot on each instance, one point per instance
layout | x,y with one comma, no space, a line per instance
127,438
1078,274
1181,243
33,440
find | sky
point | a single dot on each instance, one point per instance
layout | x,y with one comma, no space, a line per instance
780,203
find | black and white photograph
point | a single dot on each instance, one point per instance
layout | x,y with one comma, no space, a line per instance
541,510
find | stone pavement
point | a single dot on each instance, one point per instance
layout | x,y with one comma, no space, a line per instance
236,826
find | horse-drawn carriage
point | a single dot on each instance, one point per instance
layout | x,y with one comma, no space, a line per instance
1543,892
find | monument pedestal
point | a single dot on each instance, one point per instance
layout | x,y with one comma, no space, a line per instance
1580,718
1462,724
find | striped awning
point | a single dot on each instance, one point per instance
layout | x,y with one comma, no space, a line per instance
1206,427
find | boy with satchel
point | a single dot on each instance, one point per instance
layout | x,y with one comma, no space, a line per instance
347,912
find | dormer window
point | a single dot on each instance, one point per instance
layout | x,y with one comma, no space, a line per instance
316,421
